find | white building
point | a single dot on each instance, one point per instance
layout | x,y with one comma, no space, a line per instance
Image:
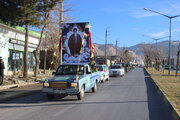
12,47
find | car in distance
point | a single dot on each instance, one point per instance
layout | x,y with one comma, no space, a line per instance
103,71
116,70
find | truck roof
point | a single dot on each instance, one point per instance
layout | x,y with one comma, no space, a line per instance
75,64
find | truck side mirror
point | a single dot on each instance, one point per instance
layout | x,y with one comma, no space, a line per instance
88,72
53,73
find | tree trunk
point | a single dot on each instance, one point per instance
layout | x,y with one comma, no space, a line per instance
147,61
156,63
45,55
36,55
25,58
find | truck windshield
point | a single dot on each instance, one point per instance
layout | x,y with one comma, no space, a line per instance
70,70
99,68
115,67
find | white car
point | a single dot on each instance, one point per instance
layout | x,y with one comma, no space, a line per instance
116,70
104,72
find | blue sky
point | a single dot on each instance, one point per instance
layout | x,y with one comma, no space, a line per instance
126,19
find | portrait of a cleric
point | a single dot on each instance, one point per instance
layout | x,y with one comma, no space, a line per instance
75,48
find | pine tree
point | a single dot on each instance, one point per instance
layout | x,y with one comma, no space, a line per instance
25,13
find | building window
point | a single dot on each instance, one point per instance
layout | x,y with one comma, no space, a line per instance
15,60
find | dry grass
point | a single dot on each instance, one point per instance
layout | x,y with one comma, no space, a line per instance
169,84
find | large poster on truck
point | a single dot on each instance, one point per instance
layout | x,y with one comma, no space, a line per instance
76,43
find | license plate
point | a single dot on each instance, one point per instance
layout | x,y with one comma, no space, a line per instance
59,91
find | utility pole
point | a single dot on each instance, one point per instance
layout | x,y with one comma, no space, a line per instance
172,45
105,46
116,49
60,31
177,64
106,34
45,54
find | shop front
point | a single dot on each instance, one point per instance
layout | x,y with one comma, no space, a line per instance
12,49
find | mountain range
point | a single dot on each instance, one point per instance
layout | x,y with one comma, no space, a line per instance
137,49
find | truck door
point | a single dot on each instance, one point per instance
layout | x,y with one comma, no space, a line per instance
89,77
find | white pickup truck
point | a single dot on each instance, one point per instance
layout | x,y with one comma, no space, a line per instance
71,79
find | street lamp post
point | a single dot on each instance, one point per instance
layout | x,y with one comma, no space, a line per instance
156,39
170,18
60,30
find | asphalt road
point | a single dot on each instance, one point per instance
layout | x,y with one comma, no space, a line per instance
129,98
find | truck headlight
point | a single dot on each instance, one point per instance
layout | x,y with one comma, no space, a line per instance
74,85
46,84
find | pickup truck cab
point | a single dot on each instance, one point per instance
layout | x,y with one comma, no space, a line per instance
71,79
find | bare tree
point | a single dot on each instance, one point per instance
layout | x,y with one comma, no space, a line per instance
158,58
152,56
127,56
36,52
147,51
52,31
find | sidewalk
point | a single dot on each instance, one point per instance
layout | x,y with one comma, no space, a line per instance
22,88
20,91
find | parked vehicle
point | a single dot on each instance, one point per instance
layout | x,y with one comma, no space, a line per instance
71,79
175,67
116,70
166,67
103,71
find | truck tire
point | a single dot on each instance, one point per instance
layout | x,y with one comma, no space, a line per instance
102,81
94,89
121,75
50,96
80,95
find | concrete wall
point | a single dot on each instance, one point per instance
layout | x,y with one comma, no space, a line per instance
4,53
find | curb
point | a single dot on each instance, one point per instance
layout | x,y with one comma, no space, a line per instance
174,113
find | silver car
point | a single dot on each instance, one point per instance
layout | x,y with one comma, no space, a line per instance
116,70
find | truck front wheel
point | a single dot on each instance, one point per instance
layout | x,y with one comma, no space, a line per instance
94,89
80,95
